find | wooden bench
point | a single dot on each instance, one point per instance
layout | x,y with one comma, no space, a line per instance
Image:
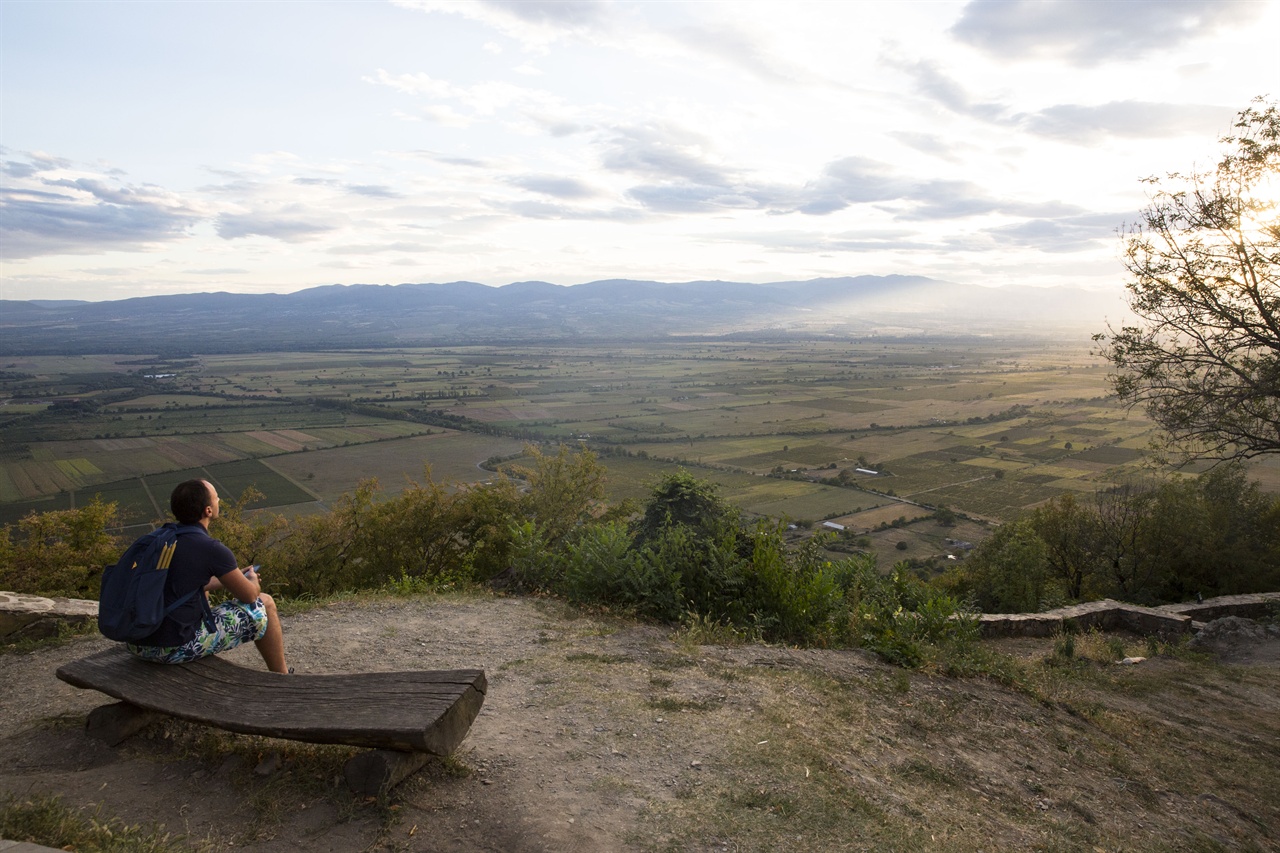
405,717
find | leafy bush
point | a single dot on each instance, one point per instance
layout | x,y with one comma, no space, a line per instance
1153,542
60,552
686,557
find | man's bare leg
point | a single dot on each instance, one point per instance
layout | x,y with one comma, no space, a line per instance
271,646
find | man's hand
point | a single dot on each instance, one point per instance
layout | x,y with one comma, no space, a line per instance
242,583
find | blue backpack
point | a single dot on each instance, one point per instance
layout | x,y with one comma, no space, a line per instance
131,604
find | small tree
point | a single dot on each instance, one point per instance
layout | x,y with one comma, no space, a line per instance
1204,356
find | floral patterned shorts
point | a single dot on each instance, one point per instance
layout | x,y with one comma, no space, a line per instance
234,623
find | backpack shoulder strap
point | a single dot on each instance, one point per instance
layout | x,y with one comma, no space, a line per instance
206,612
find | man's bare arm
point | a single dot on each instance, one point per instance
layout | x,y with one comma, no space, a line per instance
241,583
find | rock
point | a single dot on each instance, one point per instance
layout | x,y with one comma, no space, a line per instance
1229,632
32,617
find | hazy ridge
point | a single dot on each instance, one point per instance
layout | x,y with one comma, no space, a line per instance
461,312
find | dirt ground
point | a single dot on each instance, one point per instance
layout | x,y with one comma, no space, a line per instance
600,734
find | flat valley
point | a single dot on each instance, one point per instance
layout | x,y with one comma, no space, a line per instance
873,435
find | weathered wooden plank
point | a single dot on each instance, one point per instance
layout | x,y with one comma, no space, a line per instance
420,711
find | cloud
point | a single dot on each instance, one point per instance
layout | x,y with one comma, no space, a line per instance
852,180
547,210
935,200
684,177
450,160
664,152
534,23
372,190
83,215
929,143
934,83
380,248
289,229
569,14
1131,119
219,271
477,102
1087,33
742,49
553,185
1063,234
556,125
16,169
814,242
693,198
1075,123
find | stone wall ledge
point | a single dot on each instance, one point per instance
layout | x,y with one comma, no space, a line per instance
1109,615
32,617
1255,606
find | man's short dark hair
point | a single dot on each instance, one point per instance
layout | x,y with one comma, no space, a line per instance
189,500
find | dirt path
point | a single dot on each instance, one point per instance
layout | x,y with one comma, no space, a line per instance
601,735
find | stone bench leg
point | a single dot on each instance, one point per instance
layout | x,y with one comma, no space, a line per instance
378,770
112,724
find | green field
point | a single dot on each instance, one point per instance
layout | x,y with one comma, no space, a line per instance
986,427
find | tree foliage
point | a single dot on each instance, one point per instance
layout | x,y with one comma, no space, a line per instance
1144,542
1203,358
60,552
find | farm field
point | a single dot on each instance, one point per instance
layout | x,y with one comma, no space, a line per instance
985,427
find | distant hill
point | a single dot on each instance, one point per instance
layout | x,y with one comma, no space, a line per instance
339,316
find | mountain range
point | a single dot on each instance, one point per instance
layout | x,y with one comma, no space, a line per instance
344,316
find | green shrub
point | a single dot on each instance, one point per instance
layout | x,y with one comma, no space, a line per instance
602,566
60,552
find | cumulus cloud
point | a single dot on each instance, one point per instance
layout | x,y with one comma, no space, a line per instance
1087,33
44,211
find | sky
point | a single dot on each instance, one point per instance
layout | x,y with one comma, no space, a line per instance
172,147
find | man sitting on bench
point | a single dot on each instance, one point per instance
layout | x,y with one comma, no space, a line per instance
194,630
